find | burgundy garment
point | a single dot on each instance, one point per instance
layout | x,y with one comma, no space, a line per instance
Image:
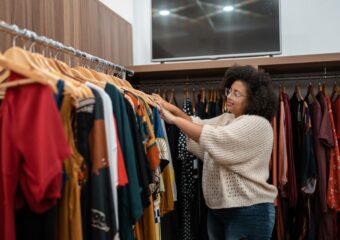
336,114
291,185
325,220
320,155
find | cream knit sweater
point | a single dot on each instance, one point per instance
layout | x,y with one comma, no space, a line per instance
236,154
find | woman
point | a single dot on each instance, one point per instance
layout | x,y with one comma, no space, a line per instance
235,148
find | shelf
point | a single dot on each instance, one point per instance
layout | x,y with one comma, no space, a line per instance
273,63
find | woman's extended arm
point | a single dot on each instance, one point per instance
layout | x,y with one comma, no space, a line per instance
191,129
170,107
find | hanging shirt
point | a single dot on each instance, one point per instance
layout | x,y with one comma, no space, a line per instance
303,145
83,126
188,181
291,174
69,213
142,164
333,190
102,211
320,154
326,219
32,152
282,153
111,145
171,167
129,199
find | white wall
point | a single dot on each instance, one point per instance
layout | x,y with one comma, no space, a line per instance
310,26
123,8
307,27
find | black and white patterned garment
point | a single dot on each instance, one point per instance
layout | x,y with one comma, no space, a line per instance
187,179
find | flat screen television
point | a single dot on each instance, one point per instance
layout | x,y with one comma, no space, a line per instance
213,29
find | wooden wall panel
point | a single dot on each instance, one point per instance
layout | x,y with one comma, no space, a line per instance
87,25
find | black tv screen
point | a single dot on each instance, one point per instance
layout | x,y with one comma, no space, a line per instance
212,29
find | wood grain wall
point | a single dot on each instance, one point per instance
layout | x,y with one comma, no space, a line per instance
87,25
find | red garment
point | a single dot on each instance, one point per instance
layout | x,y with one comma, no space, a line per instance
32,149
336,114
333,190
122,175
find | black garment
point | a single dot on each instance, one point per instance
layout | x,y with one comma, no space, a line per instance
30,225
303,145
218,107
188,181
101,209
171,222
83,125
129,198
211,110
143,171
200,107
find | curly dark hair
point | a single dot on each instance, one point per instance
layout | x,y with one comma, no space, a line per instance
261,98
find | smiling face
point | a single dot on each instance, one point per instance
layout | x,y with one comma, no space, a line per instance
237,98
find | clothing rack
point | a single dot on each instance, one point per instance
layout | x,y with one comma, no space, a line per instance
35,38
306,76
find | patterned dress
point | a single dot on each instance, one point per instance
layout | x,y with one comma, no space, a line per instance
187,179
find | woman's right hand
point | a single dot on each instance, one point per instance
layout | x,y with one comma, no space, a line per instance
161,102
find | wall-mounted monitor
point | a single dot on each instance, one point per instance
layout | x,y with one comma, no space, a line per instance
212,29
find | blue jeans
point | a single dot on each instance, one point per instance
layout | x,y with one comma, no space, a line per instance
251,223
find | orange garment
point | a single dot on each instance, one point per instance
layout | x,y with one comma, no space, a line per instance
145,228
333,189
167,200
69,212
141,110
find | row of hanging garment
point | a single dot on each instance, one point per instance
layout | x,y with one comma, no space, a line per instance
83,154
206,103
306,164
189,219
304,167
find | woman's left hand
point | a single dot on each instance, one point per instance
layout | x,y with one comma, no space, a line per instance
166,115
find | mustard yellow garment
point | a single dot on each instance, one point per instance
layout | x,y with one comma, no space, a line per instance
69,212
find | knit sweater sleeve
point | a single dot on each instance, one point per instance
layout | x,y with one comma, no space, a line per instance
195,148
241,140
222,119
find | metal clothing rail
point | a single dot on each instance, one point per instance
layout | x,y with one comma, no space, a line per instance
319,77
15,30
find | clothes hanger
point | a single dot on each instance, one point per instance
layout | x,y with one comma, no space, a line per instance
26,58
164,94
297,92
27,71
310,92
185,93
202,95
4,74
193,100
171,98
335,91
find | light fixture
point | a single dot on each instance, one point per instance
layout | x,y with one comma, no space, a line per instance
228,8
164,12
